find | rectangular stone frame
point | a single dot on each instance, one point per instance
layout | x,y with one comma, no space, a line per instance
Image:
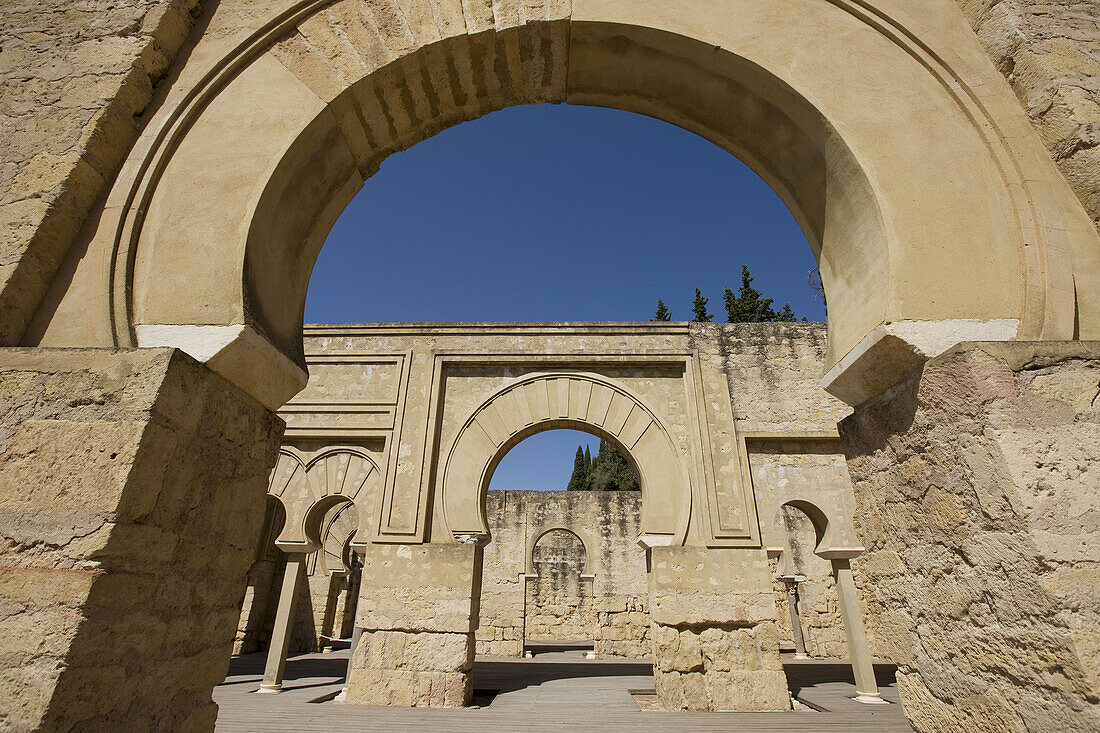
729,519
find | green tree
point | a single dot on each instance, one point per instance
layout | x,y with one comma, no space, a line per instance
699,307
786,314
579,480
663,313
749,305
611,471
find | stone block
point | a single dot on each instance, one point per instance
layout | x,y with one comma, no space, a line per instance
1004,436
431,587
123,558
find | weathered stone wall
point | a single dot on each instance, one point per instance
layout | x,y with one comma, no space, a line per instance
132,497
610,608
417,611
1049,50
77,79
818,603
977,488
715,642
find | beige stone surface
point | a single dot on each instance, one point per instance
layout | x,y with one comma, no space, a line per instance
715,643
977,494
234,206
1050,54
736,425
132,491
556,536
418,610
77,81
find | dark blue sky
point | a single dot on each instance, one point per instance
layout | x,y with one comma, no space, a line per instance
556,213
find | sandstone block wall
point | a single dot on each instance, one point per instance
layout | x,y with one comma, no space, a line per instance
133,494
610,609
77,80
977,489
417,610
715,642
1049,50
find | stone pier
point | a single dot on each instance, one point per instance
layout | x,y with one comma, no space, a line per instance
715,643
418,614
133,491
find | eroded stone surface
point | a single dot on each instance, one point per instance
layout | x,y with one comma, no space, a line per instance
1050,53
133,484
977,487
77,78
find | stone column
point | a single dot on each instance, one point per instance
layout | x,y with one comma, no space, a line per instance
715,642
133,492
792,581
859,652
418,610
284,623
977,482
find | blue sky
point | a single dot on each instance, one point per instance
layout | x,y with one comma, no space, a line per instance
556,213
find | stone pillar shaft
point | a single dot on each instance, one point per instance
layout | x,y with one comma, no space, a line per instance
796,622
859,652
284,623
134,485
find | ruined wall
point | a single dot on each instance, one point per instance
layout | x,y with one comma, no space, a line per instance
818,603
609,608
977,488
77,80
133,495
1049,50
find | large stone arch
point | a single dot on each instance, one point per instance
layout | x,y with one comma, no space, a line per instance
949,223
590,403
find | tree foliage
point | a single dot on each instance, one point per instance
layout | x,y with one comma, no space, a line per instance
579,480
749,305
609,471
663,313
699,307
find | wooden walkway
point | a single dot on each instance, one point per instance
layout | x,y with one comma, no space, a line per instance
558,691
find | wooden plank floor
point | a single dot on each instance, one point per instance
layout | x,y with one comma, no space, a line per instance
557,691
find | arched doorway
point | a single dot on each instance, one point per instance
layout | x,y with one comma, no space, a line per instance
950,225
271,185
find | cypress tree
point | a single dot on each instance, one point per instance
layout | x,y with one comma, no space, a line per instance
587,469
611,471
748,306
786,314
699,307
579,480
663,313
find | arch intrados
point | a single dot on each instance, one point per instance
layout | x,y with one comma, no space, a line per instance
307,522
315,516
814,513
678,490
542,427
280,241
559,424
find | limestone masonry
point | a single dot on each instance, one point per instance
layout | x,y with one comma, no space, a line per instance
169,170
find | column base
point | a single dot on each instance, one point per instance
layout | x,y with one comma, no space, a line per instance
271,689
870,698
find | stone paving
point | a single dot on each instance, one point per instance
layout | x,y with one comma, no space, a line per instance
559,691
